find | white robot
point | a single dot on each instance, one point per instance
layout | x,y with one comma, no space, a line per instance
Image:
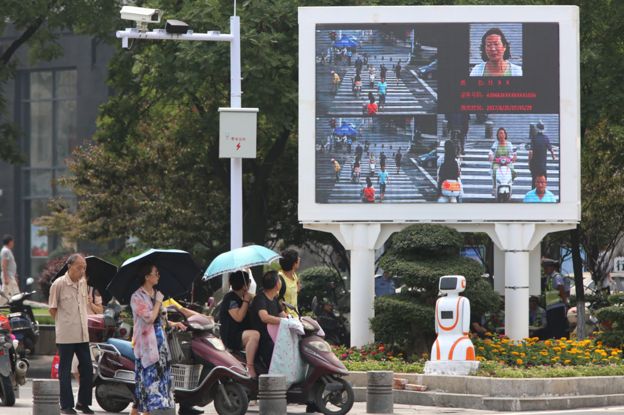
452,314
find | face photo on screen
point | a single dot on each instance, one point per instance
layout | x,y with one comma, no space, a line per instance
495,50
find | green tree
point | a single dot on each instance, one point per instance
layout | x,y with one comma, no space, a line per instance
37,26
420,255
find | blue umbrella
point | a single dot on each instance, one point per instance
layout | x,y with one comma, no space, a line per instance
345,42
177,272
239,258
345,129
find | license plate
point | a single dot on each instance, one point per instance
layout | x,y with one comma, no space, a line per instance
15,315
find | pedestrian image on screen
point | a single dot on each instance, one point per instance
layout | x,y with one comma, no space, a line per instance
397,70
495,53
538,153
540,194
382,89
368,192
383,179
371,107
397,159
502,147
335,78
337,168
371,76
458,126
372,164
449,167
357,170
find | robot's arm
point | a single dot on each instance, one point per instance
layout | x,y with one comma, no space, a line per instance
465,310
435,318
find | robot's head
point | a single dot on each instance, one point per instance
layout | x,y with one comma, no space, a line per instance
452,284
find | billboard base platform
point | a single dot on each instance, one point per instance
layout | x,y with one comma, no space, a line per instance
503,394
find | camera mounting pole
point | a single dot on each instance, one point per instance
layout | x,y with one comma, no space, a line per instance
236,164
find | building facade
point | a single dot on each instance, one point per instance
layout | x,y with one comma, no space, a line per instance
55,104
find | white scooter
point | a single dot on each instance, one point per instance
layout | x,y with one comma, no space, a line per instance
451,191
504,179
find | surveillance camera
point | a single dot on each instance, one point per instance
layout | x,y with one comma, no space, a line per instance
141,15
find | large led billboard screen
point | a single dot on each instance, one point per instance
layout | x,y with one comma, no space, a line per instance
439,113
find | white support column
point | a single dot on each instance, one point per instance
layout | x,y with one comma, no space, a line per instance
515,239
517,294
361,239
535,270
499,270
518,242
362,282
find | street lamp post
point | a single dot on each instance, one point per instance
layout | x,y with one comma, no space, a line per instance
236,163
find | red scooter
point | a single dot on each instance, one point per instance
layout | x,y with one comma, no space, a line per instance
323,389
203,371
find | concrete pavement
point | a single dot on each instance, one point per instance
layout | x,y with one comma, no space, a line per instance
23,406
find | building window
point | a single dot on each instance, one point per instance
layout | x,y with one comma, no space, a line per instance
49,121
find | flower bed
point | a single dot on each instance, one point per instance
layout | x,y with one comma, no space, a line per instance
533,352
501,357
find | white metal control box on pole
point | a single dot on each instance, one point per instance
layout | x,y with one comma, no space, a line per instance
237,132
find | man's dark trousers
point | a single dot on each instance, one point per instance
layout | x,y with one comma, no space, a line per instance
85,368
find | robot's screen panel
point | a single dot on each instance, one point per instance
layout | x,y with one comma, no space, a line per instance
448,283
446,315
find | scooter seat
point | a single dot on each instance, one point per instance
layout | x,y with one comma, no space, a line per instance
124,347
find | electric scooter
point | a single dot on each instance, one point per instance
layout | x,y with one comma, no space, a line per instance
108,324
504,179
24,326
12,368
450,191
203,371
323,388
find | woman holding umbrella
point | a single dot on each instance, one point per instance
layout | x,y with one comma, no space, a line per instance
153,362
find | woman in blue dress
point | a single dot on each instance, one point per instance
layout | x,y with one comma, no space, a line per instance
154,381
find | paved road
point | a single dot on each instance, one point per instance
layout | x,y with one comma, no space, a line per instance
23,406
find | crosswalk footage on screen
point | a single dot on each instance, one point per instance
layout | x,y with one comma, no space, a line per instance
405,112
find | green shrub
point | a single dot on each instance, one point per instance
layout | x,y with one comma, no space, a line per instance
425,273
321,282
395,366
402,323
427,239
611,320
616,299
419,256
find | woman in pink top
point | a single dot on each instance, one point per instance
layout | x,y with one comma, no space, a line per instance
153,361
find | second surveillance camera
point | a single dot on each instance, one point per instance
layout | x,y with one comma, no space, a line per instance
142,15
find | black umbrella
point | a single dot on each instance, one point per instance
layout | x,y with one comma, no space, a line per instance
100,274
177,272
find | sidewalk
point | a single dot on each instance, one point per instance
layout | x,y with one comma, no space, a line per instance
23,406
